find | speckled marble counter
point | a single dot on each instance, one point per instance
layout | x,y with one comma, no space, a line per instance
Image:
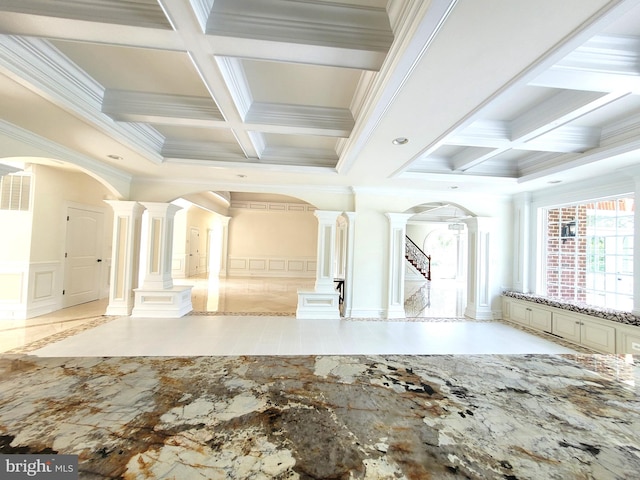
372,417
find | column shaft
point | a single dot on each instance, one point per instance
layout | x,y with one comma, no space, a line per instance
125,256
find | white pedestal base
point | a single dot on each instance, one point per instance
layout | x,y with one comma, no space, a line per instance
318,306
170,303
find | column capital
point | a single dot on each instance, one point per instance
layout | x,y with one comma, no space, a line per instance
161,208
125,206
398,219
327,216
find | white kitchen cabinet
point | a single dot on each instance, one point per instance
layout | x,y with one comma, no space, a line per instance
584,330
599,334
628,339
527,314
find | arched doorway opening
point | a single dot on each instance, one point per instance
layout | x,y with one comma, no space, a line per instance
253,250
438,228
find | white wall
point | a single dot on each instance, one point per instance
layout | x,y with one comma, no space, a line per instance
268,239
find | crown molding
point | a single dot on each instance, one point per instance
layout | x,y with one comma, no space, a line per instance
304,22
192,151
202,10
40,67
483,133
234,76
148,107
315,157
565,139
123,12
326,120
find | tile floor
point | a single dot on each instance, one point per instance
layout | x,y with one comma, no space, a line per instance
255,316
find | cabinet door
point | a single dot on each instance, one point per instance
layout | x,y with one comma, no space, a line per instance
519,313
628,340
566,326
540,319
506,308
598,336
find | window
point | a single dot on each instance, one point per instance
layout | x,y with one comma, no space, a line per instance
15,191
589,252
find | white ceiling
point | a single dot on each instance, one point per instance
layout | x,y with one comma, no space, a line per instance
256,95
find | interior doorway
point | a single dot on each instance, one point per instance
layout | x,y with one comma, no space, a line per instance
83,256
194,252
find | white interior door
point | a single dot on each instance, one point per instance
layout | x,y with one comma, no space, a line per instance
83,260
194,251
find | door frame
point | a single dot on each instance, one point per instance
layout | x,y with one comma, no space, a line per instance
105,265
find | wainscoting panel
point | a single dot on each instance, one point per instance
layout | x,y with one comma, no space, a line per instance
179,265
271,267
45,287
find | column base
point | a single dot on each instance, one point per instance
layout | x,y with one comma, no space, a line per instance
162,303
478,313
395,312
119,310
318,306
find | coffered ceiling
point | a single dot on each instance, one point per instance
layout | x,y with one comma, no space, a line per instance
243,95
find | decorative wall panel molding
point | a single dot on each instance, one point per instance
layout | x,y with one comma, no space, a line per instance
273,206
271,267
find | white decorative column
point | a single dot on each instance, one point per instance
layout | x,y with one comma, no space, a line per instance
323,301
347,304
224,250
395,285
521,232
479,273
158,297
125,256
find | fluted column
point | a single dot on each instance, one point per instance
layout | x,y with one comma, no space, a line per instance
325,268
224,250
395,285
125,256
159,245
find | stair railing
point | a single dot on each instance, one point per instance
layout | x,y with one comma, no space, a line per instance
418,258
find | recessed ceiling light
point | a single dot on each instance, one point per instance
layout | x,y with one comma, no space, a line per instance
400,141
115,157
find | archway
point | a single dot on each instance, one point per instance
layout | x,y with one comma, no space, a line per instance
439,229
256,249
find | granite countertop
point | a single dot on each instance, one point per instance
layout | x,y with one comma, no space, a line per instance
619,316
341,417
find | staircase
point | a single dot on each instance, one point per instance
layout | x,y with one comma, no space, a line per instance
416,257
